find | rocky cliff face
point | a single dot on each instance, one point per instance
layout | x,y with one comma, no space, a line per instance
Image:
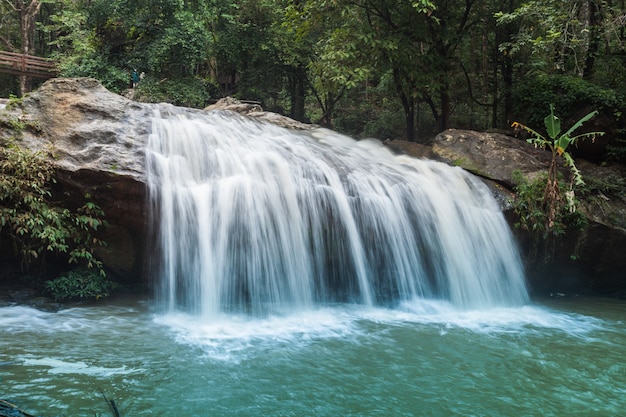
97,141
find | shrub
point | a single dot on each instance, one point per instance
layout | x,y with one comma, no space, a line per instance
80,284
529,205
187,92
35,224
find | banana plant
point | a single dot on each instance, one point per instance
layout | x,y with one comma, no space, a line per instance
558,143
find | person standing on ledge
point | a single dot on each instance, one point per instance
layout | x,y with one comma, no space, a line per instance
135,78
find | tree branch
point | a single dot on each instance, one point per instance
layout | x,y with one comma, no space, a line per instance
11,5
8,43
469,88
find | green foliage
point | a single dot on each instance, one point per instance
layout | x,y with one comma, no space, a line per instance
187,92
80,284
14,101
34,223
530,206
617,150
558,143
566,93
181,46
549,29
13,123
453,63
79,50
17,124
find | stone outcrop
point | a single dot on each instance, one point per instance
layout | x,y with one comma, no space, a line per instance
96,139
256,111
490,155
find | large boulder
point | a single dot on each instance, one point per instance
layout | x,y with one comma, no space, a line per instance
589,261
96,140
490,155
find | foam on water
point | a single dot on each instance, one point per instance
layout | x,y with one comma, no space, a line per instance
233,337
16,319
423,356
58,366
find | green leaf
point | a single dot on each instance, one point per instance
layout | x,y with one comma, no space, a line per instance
580,123
553,124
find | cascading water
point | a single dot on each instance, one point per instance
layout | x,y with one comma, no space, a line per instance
251,217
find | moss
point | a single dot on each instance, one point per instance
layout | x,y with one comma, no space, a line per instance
14,102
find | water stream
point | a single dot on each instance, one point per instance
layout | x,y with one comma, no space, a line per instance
256,218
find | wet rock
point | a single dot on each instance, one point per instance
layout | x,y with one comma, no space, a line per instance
416,150
22,294
234,105
43,304
255,110
490,155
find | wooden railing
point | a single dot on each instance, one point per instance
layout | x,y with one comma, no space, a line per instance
32,66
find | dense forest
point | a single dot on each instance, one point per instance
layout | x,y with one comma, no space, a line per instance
379,68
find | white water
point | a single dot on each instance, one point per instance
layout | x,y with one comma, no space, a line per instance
258,219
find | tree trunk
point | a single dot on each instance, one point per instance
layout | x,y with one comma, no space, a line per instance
28,15
494,92
444,121
593,43
408,104
297,91
409,115
503,34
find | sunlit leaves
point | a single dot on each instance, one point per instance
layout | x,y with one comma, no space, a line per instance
559,33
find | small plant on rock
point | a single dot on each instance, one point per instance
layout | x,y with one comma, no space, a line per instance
529,205
557,199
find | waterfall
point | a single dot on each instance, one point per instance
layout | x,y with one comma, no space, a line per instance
250,217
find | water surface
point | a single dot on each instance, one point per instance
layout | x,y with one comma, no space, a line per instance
424,358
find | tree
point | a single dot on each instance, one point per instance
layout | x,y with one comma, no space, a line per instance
557,142
25,14
416,43
331,54
565,36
